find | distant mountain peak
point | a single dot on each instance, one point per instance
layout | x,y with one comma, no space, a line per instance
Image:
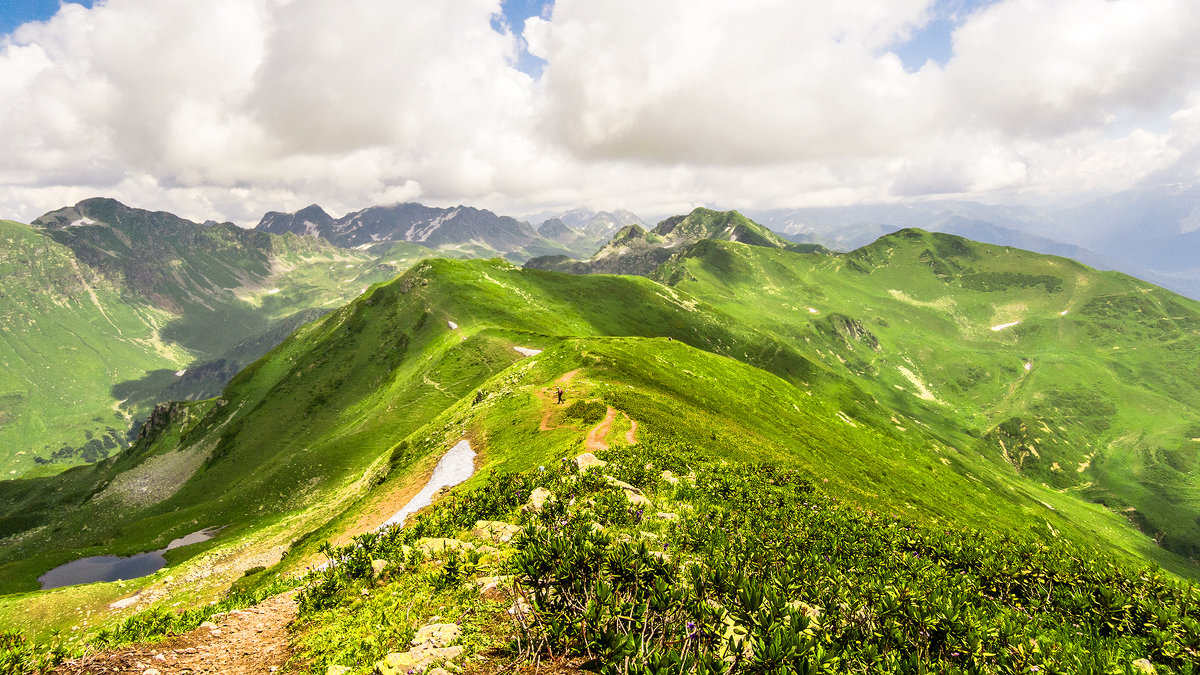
634,250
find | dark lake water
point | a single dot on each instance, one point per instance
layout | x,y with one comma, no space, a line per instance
116,568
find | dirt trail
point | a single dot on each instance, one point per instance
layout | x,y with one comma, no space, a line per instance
595,437
631,435
250,641
549,397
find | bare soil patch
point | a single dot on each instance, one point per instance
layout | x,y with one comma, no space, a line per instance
251,641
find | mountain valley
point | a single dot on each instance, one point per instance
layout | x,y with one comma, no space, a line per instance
923,383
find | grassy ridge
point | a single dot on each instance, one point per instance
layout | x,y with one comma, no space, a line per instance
109,310
1081,380
371,390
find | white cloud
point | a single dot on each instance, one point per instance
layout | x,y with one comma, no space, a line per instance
229,108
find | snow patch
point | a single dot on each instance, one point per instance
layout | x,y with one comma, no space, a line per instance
813,310
1064,312
273,291
82,221
1001,326
453,326
421,232
181,373
1028,366
454,467
527,351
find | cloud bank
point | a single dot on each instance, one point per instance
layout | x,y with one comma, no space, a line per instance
228,108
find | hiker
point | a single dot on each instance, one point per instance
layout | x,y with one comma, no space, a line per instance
559,391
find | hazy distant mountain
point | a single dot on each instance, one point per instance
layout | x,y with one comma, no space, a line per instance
1150,235
311,220
633,250
108,310
555,229
477,231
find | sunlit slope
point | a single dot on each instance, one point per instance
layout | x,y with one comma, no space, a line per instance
333,398
320,417
109,310
1085,381
66,334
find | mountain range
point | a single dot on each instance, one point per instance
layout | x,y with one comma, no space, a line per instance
1147,234
929,380
109,310
471,231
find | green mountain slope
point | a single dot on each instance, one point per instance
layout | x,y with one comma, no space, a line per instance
368,392
110,310
1080,380
67,334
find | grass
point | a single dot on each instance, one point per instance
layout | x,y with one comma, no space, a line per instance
727,363
1099,371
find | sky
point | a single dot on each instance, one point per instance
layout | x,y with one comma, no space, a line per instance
226,109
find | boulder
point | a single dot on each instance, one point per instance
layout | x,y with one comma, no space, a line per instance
495,530
636,499
493,588
432,546
401,663
587,460
436,635
377,566
670,478
338,670
621,484
537,499
667,515
1144,666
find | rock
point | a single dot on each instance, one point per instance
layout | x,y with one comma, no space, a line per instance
636,499
537,499
338,670
452,652
436,635
378,565
123,603
519,608
493,588
439,671
209,625
670,478
621,484
666,515
1144,666
431,546
158,657
400,663
587,460
495,530
151,671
